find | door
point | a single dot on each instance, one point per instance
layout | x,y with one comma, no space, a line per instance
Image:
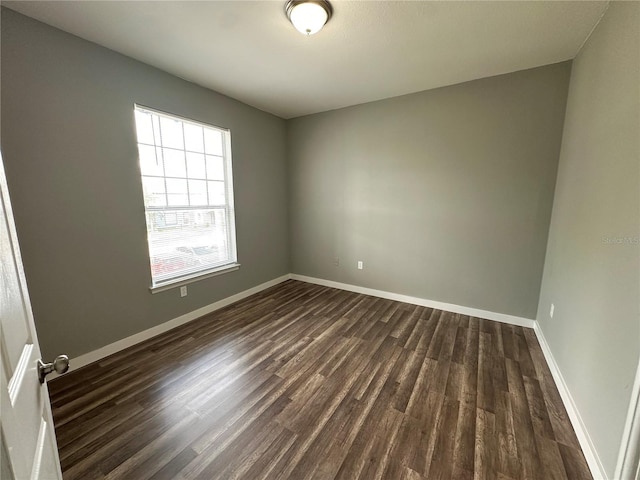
29,449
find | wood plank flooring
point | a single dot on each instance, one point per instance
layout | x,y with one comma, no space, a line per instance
307,382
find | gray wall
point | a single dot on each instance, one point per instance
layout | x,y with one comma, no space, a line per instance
593,280
69,148
444,194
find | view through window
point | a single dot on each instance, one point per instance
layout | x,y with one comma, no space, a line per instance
188,196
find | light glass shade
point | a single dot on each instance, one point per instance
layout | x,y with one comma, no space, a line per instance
308,18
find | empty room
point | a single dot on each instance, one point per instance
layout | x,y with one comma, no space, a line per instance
310,239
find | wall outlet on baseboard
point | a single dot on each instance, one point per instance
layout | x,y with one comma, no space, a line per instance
360,265
553,307
183,291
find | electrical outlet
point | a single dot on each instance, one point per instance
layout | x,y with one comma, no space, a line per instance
553,307
183,291
360,265
336,262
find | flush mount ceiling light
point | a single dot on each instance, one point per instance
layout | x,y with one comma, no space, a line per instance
308,16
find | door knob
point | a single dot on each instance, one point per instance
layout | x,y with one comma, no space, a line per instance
60,365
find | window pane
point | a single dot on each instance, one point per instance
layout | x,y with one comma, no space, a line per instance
215,168
174,163
171,131
144,129
181,242
153,189
193,137
150,162
212,141
216,193
197,192
177,185
184,171
220,225
177,194
195,165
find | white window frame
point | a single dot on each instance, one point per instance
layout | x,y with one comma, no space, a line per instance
169,282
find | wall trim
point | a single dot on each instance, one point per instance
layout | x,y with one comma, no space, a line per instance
629,446
102,352
449,307
588,448
595,465
590,453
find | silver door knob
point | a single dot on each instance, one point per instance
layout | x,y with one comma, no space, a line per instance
60,365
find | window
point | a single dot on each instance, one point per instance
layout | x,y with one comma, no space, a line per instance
188,197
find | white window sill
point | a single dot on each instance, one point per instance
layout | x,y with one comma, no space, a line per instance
178,282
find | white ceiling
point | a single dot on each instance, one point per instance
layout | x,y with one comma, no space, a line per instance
369,50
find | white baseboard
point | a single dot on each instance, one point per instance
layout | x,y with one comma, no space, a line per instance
595,465
100,353
589,450
449,307
630,444
127,342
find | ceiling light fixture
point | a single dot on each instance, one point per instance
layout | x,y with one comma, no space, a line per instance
308,16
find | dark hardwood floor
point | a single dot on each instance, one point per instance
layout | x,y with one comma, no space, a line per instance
302,381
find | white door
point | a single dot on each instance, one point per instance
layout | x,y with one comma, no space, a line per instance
29,450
